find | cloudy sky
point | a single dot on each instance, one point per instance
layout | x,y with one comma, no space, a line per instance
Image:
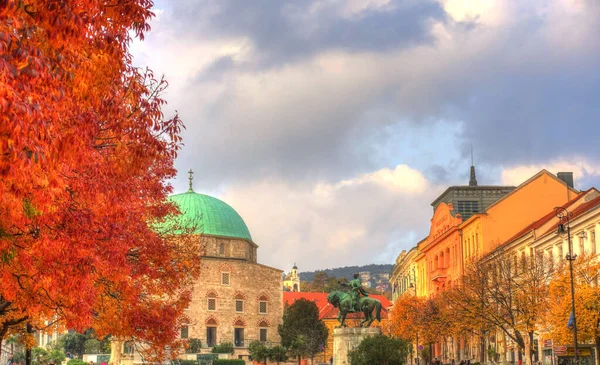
331,125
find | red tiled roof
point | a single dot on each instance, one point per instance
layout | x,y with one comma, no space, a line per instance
580,210
326,310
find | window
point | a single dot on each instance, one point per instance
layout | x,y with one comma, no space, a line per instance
262,304
184,331
225,278
263,335
222,249
467,208
239,305
560,251
212,304
593,242
238,339
211,336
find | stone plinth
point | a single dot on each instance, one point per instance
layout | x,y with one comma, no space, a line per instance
346,339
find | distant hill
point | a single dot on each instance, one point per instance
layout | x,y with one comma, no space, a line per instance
373,274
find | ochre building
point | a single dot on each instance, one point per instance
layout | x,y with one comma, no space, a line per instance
468,222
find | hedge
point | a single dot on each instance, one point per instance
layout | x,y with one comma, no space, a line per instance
229,362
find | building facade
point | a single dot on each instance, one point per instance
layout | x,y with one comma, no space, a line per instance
236,299
468,222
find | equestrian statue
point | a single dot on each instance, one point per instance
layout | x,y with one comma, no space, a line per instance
355,300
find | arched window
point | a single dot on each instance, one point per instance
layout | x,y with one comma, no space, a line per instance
225,278
239,303
212,301
263,331
184,330
238,333
263,304
211,332
222,249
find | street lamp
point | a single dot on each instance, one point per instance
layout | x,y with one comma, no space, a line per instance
564,226
414,284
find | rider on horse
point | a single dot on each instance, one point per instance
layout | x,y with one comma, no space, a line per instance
356,290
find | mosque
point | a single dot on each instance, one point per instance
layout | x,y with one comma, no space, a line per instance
236,299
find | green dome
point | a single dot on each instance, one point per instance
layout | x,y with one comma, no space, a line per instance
210,215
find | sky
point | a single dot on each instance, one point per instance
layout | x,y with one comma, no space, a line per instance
331,125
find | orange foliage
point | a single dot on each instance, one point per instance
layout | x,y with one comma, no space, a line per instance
587,302
85,154
415,315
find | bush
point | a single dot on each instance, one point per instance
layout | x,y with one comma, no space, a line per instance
223,348
185,362
194,346
380,349
229,362
77,362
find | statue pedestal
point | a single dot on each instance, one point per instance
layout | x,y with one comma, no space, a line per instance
346,339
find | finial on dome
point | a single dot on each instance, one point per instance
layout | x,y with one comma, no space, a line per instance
190,178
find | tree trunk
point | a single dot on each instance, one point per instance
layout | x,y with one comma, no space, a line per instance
598,348
528,343
28,348
482,347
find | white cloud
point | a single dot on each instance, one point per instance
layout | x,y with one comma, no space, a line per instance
331,224
516,175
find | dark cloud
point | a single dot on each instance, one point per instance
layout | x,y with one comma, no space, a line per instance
524,91
285,31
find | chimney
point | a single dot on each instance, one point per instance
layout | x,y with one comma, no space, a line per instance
567,177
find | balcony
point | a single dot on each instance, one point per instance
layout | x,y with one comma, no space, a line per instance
439,274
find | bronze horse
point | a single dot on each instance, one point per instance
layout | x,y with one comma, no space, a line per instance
366,305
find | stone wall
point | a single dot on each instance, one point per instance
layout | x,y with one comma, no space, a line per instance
232,248
247,280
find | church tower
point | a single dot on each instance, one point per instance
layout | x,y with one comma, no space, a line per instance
292,280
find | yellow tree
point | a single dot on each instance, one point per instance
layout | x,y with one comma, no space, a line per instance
587,303
424,321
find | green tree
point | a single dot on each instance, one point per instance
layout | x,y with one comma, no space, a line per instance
302,331
74,343
320,280
194,346
223,348
91,346
258,351
381,350
278,354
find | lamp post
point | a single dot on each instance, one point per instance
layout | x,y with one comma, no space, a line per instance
564,226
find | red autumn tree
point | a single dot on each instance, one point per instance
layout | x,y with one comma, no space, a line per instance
85,154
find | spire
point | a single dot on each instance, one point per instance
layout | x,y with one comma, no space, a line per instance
473,178
190,178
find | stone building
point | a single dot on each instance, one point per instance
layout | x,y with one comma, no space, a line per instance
291,281
236,299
